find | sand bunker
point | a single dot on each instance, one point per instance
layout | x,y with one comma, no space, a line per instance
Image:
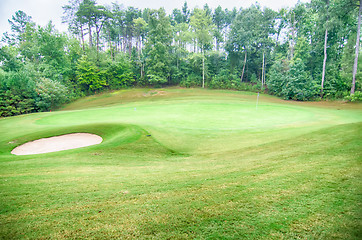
58,143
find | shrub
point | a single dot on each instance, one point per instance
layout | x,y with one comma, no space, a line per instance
356,97
89,77
118,75
294,82
191,81
51,94
17,93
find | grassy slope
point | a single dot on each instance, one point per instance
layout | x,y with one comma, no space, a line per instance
214,167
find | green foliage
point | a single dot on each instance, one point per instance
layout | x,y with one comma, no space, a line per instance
158,48
12,104
119,74
292,82
356,97
277,77
227,80
17,24
253,78
89,77
192,80
9,59
203,28
300,86
302,50
17,93
156,80
51,94
250,33
224,80
347,62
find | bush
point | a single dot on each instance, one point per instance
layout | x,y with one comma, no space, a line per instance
224,80
244,86
12,104
294,82
51,94
191,81
356,97
17,93
118,75
89,77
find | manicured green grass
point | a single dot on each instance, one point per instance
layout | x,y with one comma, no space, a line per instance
214,167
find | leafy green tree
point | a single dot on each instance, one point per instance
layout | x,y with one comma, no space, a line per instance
158,47
118,73
250,38
9,59
17,92
278,77
84,16
75,24
140,30
88,76
302,50
28,48
130,15
219,19
51,94
177,17
207,10
185,13
203,27
17,25
292,81
51,47
347,63
355,65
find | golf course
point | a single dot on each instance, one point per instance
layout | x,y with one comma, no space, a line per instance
186,164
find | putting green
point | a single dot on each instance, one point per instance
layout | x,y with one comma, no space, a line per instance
198,123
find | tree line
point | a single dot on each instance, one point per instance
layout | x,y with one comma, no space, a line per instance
307,52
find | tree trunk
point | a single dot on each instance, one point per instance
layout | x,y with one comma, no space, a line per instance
82,33
203,68
325,51
262,72
90,35
264,69
130,46
242,74
97,43
357,50
293,37
324,60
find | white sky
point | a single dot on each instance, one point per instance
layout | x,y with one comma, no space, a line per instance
42,11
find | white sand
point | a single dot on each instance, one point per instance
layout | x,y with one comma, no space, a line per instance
58,143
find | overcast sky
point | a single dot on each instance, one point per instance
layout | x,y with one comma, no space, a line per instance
42,11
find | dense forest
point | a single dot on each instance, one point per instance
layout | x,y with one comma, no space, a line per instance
307,52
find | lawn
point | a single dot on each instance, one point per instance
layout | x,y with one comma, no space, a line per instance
186,164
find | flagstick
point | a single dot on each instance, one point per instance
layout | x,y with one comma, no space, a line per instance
257,100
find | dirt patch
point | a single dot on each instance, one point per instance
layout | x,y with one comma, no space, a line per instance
154,93
58,143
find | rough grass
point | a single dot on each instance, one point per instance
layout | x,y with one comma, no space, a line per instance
181,164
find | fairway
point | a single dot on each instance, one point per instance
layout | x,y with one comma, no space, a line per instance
186,164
